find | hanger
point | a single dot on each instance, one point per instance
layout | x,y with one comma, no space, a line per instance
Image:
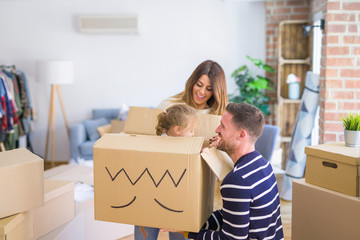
8,67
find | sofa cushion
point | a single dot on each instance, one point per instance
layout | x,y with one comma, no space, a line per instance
108,113
87,148
91,126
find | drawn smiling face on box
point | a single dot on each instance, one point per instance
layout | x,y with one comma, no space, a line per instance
146,181
147,185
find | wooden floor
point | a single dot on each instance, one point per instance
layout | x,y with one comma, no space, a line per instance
286,218
47,164
285,210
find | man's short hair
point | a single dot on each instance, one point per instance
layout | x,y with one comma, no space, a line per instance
248,117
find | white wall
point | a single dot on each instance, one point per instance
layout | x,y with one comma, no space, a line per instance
174,37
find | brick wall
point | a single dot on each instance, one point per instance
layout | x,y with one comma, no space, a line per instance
340,66
277,11
340,63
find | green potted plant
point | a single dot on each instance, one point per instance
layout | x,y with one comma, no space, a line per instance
251,88
351,124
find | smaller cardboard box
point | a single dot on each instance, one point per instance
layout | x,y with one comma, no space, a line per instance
58,209
17,227
72,230
117,126
95,230
142,120
72,173
320,213
21,181
333,166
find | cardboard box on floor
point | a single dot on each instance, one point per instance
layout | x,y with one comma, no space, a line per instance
17,227
83,225
21,181
72,173
334,166
156,181
320,213
59,207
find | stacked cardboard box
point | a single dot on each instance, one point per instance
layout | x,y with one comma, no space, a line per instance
334,166
83,225
22,189
21,181
26,210
138,175
326,204
17,227
59,207
320,213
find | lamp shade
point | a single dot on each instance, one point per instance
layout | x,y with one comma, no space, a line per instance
55,71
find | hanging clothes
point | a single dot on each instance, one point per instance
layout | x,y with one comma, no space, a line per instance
16,110
26,103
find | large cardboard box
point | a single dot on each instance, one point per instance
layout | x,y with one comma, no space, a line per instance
17,227
320,213
21,181
156,181
152,181
59,207
334,166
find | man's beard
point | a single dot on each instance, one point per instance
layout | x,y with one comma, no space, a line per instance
228,149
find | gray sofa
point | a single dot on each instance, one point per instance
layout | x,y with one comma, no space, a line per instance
83,135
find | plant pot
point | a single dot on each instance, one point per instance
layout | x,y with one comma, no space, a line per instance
294,90
352,138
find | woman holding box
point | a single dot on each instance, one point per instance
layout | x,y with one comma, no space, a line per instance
205,91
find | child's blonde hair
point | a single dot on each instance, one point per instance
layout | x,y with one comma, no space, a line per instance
176,115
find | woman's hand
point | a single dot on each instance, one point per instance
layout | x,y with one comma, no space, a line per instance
214,142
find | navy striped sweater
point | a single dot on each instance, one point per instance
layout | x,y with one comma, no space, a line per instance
251,204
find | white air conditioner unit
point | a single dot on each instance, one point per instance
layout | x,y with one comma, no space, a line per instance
244,0
97,24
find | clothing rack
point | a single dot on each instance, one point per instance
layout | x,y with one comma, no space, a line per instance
7,66
16,108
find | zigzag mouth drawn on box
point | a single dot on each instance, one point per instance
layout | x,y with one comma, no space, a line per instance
146,170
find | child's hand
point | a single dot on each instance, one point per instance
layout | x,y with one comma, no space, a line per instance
214,142
205,150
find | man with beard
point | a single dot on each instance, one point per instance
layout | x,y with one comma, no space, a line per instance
251,204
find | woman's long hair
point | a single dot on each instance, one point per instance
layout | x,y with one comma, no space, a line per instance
219,99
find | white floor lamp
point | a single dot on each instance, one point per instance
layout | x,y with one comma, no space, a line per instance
56,73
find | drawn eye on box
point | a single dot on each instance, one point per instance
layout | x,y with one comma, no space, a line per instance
156,184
